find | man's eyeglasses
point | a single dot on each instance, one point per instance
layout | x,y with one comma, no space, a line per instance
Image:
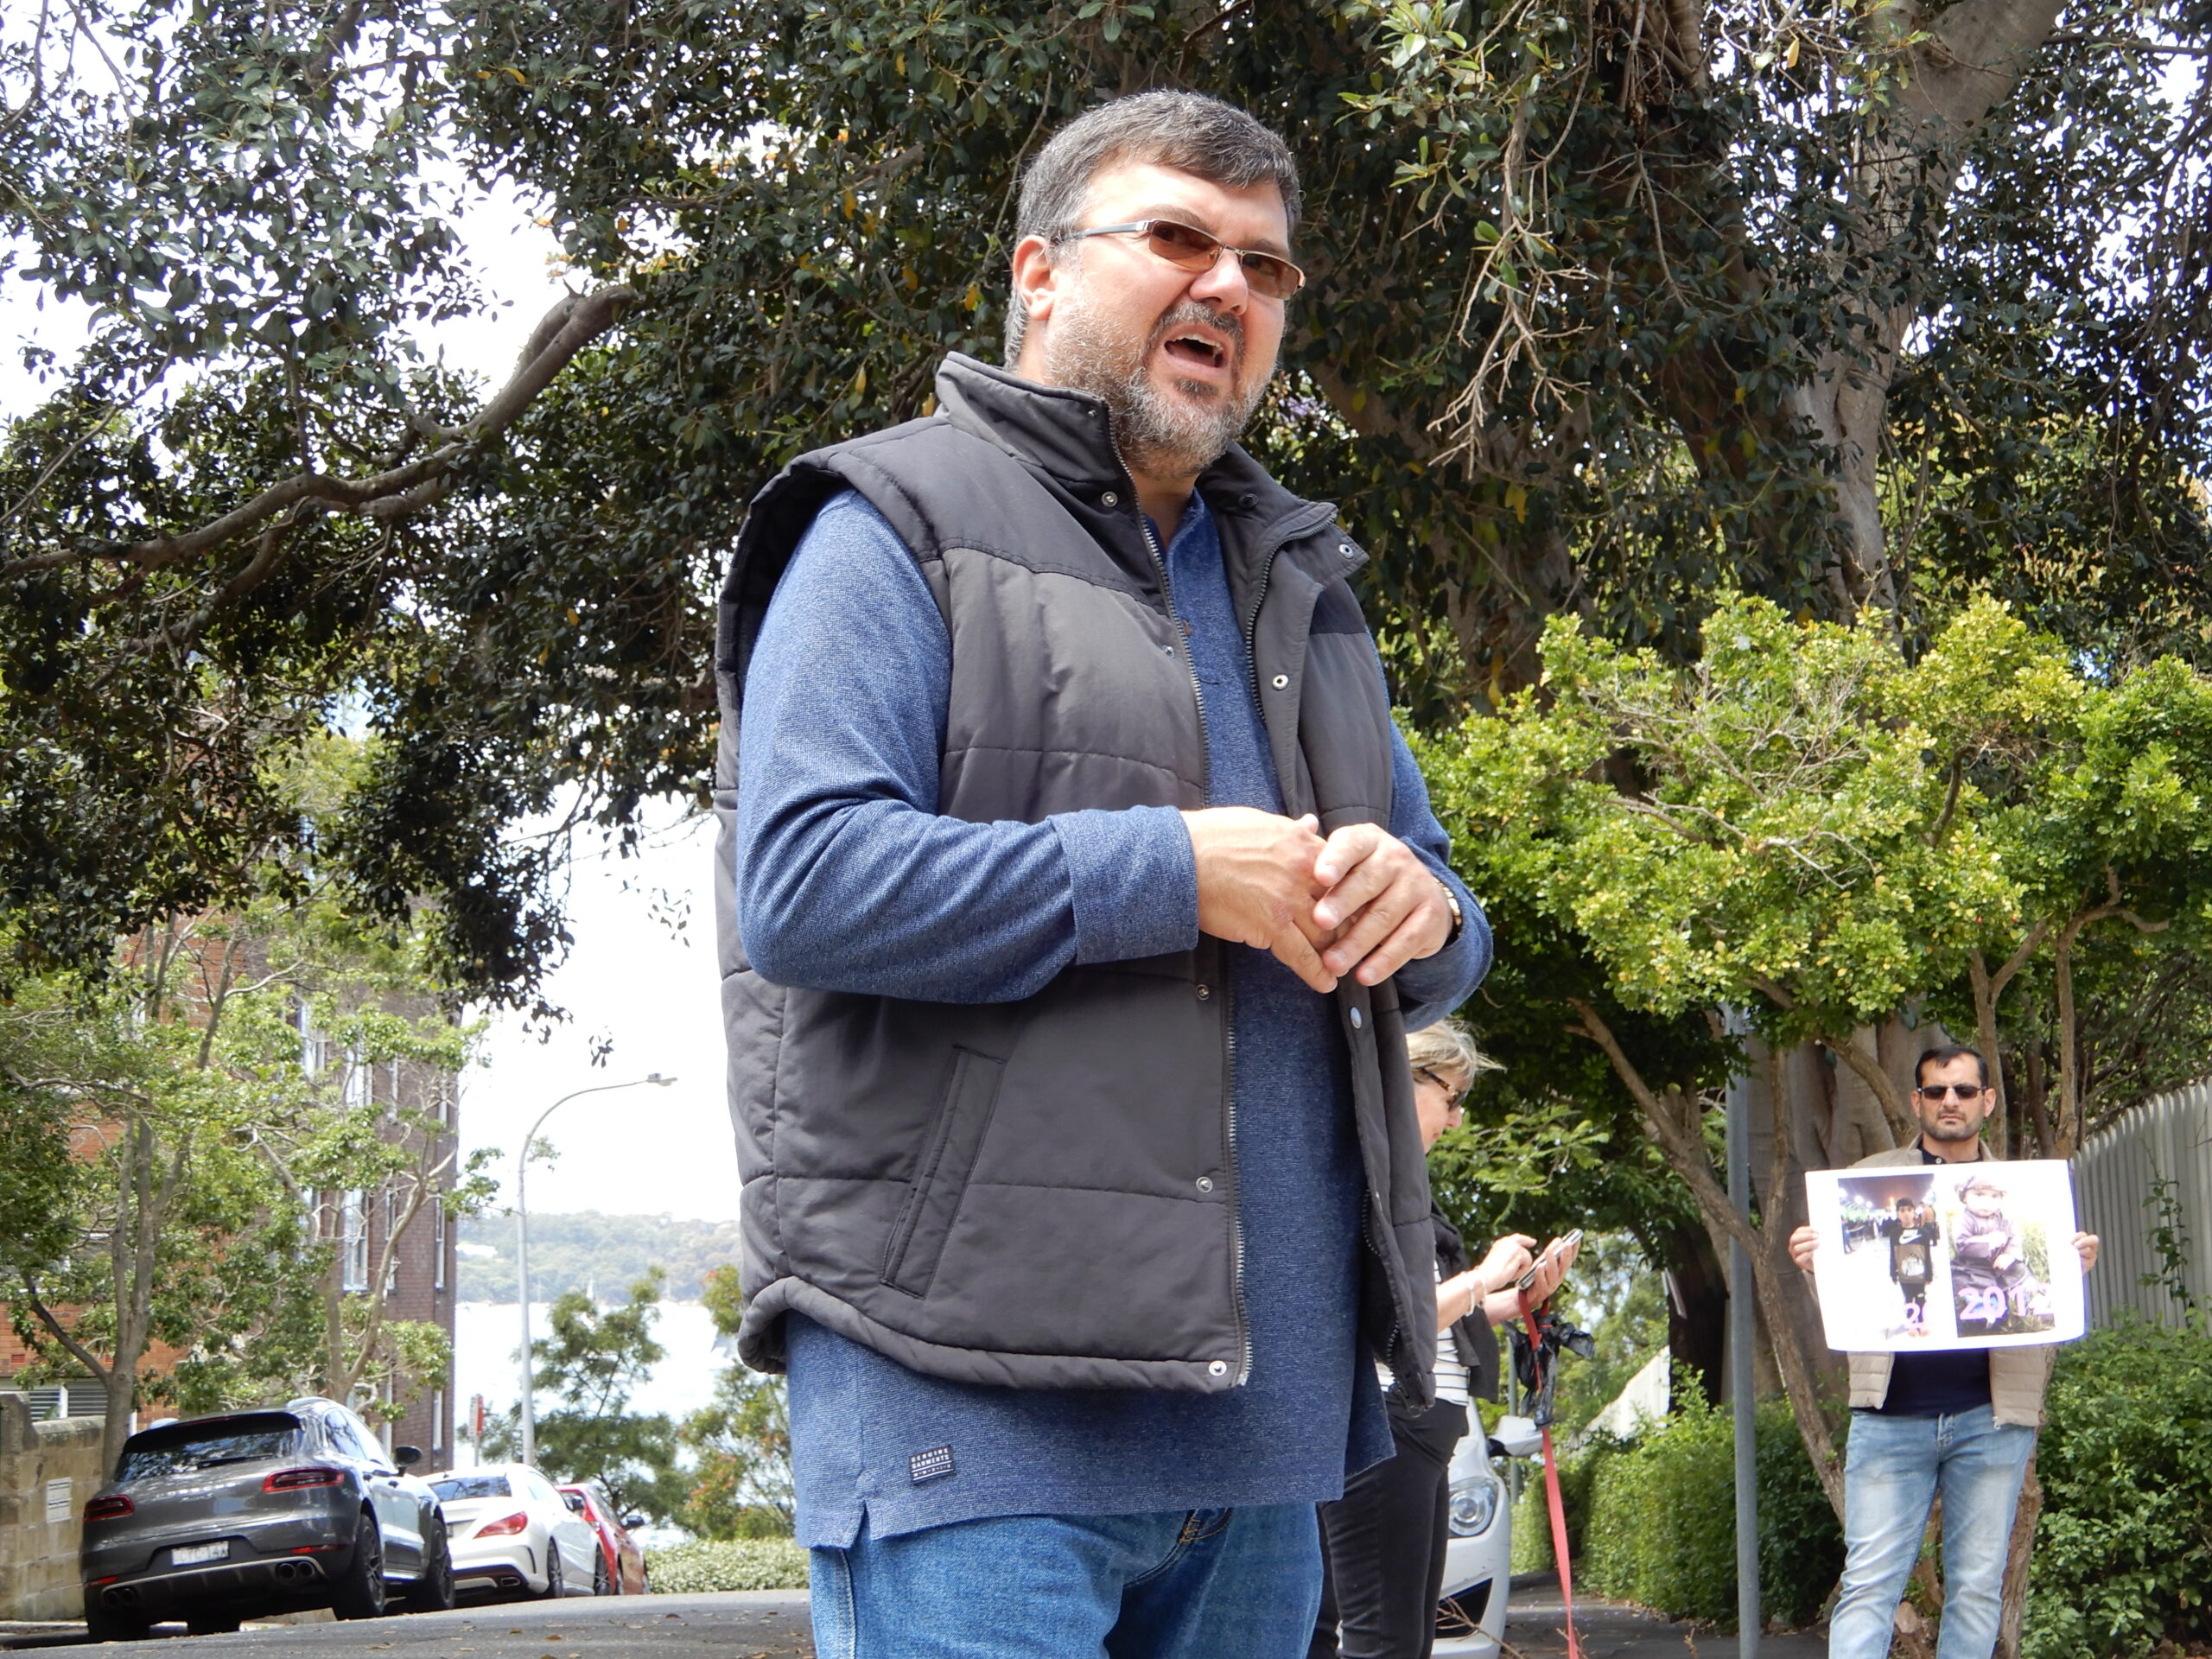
1188,248
1955,1090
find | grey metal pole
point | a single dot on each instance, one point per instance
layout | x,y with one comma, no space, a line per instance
1743,1333
522,1249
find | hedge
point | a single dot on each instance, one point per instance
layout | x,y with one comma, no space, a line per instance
1652,1521
2124,1549
738,1564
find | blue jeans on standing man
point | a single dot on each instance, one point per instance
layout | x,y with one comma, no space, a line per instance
1893,1469
1197,1583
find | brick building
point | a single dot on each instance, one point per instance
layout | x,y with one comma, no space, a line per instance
418,1266
420,1281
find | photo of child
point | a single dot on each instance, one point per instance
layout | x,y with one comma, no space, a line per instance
1913,1235
1994,1283
1890,1232
1938,1257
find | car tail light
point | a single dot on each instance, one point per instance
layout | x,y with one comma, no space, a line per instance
506,1526
291,1480
108,1509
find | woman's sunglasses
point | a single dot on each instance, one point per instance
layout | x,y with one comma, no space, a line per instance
1455,1094
1188,248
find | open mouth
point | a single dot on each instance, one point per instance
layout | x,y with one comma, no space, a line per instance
1197,351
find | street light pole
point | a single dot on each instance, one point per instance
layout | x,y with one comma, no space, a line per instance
521,1245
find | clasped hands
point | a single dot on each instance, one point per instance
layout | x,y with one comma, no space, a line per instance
1359,902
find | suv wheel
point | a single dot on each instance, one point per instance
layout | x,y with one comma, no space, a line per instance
433,1592
105,1624
359,1592
601,1584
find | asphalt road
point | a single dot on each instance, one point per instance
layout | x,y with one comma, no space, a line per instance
772,1625
739,1624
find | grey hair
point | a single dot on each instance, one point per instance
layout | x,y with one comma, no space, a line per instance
1188,131
1447,1048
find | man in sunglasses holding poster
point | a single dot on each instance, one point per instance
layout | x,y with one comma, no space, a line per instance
1961,1423
1078,895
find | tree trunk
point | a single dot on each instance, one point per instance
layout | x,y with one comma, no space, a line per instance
1697,1312
2017,1553
1969,63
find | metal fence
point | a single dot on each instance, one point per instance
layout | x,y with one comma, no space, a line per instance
2168,1138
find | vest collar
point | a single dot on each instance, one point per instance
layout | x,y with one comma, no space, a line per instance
1069,436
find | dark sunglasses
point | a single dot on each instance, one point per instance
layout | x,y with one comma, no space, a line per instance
1188,248
1955,1090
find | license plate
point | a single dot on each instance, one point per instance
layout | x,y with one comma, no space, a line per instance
185,1554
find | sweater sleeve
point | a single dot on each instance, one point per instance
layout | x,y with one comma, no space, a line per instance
848,877
1432,987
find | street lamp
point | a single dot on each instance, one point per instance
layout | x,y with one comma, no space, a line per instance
521,1245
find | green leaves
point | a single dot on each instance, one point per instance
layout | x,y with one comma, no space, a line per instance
1801,821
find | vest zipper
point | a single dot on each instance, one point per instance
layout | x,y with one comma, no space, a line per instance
1227,1004
1369,1232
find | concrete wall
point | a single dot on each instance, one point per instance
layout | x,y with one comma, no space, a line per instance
2169,1137
46,1471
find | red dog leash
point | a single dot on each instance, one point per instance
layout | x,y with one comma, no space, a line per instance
1558,1508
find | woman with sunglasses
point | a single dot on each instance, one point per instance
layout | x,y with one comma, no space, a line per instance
1383,1542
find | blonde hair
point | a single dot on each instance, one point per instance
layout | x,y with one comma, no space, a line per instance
1447,1048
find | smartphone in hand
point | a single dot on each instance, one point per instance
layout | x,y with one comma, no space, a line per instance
1558,1247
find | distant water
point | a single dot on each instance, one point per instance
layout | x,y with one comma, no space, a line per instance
486,1334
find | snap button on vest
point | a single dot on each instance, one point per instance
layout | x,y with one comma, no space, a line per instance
1110,499
1280,681
1219,1368
1356,1021
1205,991
1206,1183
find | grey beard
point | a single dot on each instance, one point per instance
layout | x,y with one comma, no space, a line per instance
1167,439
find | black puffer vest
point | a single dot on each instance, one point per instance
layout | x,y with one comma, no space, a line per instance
1043,1193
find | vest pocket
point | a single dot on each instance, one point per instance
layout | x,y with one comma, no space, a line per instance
917,1238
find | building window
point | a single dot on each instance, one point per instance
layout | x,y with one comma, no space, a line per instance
437,1419
437,1246
353,1241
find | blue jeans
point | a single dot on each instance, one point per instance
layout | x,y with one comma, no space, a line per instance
1893,1469
1198,1584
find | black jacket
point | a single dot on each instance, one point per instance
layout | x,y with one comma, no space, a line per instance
1042,1193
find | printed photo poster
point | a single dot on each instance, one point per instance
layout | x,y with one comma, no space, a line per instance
1946,1257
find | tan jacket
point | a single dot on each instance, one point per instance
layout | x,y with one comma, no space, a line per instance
2017,1377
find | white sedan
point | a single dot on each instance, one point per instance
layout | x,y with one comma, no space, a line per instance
513,1534
1478,1556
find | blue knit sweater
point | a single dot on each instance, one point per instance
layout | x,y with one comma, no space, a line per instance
847,879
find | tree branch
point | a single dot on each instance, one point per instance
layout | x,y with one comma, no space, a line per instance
77,1350
565,330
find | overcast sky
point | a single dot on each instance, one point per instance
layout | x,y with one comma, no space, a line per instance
631,980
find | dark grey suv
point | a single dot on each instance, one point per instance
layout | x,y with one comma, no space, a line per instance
222,1518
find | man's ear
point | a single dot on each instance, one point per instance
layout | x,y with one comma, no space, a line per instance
1037,281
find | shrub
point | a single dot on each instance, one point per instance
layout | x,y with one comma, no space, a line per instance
1652,1519
746,1563
2123,1553
1532,1515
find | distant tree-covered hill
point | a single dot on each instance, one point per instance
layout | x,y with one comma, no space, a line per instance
593,1253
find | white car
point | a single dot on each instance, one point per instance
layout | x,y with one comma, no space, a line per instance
513,1534
1478,1556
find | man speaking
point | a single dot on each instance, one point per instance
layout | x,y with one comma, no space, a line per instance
1080,893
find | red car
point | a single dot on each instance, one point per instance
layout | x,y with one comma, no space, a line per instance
621,1569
